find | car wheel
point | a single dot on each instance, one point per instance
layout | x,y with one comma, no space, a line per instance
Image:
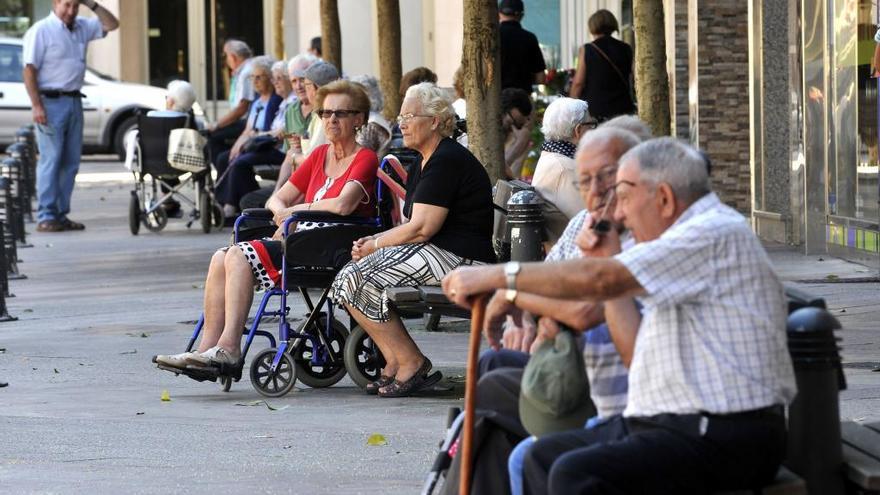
128,125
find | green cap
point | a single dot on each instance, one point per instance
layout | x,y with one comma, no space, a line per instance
555,393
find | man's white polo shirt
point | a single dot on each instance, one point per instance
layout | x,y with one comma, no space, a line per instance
59,54
712,337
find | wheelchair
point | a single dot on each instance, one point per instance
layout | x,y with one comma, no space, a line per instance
320,350
147,198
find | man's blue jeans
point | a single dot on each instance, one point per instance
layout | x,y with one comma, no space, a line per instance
60,142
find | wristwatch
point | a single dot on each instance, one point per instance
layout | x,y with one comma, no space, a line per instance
510,295
511,270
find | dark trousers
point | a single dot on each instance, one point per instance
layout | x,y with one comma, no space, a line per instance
239,179
221,139
497,430
503,358
660,454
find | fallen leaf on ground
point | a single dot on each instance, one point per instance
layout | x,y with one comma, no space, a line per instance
27,310
139,414
144,335
258,402
56,370
133,351
251,403
377,440
166,397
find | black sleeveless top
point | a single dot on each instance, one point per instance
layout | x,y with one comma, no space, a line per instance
606,94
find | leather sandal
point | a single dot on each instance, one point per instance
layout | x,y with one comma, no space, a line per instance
421,380
372,388
50,226
68,224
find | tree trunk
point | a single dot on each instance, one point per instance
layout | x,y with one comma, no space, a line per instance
390,71
331,37
652,83
278,38
481,63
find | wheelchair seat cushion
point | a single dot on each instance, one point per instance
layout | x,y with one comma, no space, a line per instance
312,256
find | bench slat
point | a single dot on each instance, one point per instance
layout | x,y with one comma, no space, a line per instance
861,469
403,294
861,437
433,295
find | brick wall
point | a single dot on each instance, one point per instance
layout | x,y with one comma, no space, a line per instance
723,102
682,126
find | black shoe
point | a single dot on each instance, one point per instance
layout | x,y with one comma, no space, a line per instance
229,221
3,384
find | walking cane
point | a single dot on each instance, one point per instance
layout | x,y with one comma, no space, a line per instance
470,392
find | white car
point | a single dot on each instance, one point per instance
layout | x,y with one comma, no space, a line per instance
109,108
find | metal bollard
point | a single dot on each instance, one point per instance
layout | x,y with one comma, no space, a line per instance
525,222
25,135
20,152
4,282
6,216
814,446
11,169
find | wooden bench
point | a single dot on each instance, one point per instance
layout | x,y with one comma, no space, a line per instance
427,300
861,453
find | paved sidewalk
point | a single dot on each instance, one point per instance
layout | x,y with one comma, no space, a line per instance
82,413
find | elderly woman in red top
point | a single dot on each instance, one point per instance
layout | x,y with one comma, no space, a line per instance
338,177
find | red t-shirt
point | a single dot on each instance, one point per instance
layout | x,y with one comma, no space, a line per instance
310,177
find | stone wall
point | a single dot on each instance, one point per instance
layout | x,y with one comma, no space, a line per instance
721,109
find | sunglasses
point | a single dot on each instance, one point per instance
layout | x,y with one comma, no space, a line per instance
340,114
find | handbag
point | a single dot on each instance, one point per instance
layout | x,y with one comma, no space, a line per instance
186,150
261,143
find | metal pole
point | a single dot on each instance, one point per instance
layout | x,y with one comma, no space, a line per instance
213,57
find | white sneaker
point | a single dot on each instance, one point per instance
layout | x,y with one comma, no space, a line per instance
212,357
175,360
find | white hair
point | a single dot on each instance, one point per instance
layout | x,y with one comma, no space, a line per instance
239,48
182,94
371,85
623,139
263,62
279,66
300,62
674,162
632,124
436,102
562,117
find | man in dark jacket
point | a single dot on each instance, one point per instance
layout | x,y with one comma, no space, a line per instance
522,63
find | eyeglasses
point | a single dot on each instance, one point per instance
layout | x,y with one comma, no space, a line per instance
590,124
405,118
605,176
340,114
254,77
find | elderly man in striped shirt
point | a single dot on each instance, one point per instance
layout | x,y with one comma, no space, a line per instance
710,371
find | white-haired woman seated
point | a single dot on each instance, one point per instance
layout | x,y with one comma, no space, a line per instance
377,133
449,207
565,121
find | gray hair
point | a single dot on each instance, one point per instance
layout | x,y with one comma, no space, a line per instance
625,140
280,66
435,102
674,162
182,94
239,48
562,117
371,85
297,65
262,62
632,124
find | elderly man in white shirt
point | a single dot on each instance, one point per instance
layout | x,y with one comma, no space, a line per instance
54,68
710,371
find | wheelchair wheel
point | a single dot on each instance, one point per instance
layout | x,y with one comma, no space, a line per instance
226,383
319,376
205,211
268,383
156,220
134,214
363,360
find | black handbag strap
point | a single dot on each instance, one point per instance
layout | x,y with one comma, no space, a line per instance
613,65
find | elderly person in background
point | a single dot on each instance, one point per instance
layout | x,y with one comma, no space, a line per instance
284,89
565,121
377,133
337,177
516,120
260,116
416,76
297,117
237,55
449,207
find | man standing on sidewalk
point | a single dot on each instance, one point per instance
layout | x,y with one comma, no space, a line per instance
54,67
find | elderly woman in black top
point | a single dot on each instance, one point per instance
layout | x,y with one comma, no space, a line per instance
449,207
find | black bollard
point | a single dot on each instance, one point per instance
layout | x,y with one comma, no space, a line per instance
11,169
525,223
4,280
11,247
26,136
21,152
814,447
